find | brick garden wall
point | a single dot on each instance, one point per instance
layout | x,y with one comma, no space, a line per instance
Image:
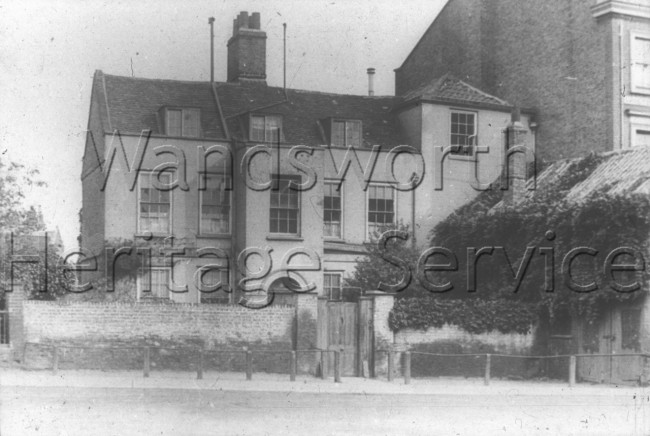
165,327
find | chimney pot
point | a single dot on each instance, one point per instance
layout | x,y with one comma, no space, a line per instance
254,22
515,115
243,19
371,84
247,49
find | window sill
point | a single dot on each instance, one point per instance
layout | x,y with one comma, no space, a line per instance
461,157
284,238
214,236
334,240
567,337
149,235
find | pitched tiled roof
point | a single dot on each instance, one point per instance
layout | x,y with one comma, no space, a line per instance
618,172
452,90
134,103
305,113
621,172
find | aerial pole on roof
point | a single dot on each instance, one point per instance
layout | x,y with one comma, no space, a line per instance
284,62
211,23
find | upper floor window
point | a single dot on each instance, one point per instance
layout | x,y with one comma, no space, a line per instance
346,133
154,203
640,62
214,203
463,133
285,206
381,208
183,122
332,211
266,128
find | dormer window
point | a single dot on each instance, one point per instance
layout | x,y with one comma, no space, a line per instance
183,122
463,133
346,133
265,128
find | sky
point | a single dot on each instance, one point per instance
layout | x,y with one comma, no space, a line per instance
50,50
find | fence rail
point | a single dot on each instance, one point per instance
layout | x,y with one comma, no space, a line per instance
483,364
566,361
199,356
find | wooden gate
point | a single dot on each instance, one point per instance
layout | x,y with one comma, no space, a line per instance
345,327
615,333
343,335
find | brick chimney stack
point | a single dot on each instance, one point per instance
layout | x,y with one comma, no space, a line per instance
515,159
247,49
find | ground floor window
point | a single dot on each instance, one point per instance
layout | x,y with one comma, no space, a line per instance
154,283
332,286
213,286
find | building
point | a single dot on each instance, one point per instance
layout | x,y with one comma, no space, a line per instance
231,151
583,65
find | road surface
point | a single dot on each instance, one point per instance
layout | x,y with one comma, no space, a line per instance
118,411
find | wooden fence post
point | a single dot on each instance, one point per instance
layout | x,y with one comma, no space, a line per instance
55,360
407,368
391,364
337,366
199,368
323,369
572,371
249,365
293,365
147,361
488,368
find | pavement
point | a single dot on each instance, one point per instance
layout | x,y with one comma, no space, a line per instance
263,382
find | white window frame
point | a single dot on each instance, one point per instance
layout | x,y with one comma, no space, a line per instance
229,194
171,204
326,294
183,111
341,231
148,270
296,178
473,142
634,129
345,139
367,208
267,137
634,81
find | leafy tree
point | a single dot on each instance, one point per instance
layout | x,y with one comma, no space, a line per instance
25,223
374,268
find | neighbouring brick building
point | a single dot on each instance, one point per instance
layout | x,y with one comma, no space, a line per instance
584,66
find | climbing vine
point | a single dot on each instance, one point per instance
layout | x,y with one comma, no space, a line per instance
521,274
472,315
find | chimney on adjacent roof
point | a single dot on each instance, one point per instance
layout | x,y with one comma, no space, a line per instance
247,49
371,81
515,160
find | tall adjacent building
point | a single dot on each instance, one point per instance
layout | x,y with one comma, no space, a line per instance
584,66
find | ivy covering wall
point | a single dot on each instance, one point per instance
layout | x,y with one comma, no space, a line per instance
541,231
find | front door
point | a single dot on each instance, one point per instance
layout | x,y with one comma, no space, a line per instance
342,326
